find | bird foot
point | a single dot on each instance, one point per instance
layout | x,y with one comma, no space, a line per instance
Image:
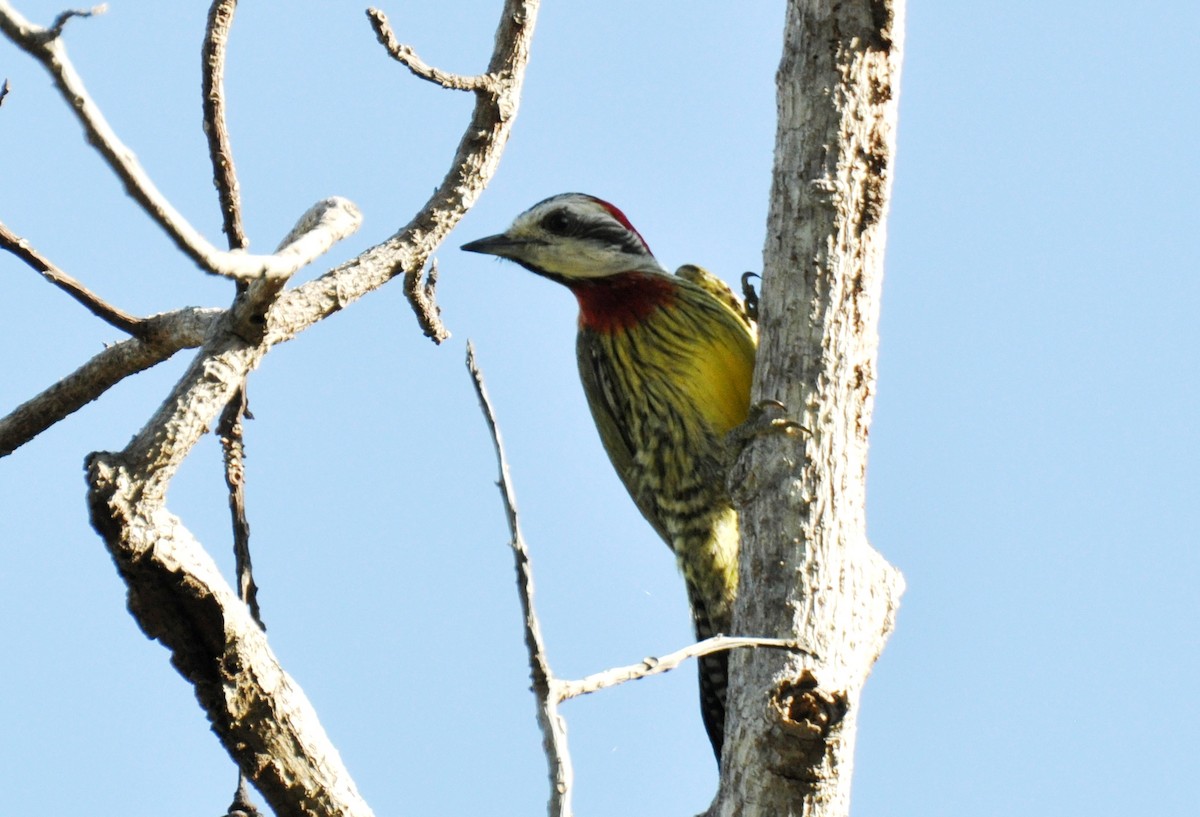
767,417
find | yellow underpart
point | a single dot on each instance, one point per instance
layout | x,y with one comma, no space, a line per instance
721,382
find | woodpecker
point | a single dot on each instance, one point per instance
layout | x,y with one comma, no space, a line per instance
666,362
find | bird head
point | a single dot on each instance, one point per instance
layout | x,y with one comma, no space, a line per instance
571,237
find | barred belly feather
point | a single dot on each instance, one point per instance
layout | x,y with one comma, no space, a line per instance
664,393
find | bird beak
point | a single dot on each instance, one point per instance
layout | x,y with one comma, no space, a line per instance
500,245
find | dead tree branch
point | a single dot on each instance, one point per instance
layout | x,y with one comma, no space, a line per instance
554,728
164,335
231,433
60,22
406,56
46,46
178,597
112,315
230,428
220,151
550,691
564,690
175,594
420,290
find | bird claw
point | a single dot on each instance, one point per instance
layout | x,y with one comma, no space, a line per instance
765,418
750,295
768,417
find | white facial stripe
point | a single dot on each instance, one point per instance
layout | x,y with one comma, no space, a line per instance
576,237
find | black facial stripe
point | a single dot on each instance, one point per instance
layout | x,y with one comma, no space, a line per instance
562,221
615,235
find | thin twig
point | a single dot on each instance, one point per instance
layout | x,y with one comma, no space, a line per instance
60,22
554,728
490,88
406,56
103,310
420,291
220,151
45,46
653,666
230,431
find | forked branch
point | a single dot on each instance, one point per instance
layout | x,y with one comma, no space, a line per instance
162,564
46,46
175,593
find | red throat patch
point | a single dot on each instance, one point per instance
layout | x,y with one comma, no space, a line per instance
618,302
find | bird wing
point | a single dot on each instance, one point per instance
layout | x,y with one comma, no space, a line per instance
718,289
607,403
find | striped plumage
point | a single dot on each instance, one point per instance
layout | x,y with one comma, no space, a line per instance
666,362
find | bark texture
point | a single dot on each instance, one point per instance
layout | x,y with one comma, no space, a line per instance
807,569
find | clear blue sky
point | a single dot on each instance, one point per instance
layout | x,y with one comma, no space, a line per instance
1033,454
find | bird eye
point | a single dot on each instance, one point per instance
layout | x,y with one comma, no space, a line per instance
557,222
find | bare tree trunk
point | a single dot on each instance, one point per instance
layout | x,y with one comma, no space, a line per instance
807,569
